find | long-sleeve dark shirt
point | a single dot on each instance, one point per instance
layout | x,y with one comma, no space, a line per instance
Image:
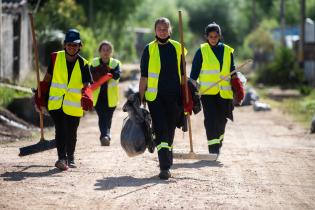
102,97
218,51
169,83
226,105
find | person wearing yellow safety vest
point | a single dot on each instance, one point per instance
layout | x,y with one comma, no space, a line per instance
106,97
67,74
160,86
212,61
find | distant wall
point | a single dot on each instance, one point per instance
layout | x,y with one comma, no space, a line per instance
15,44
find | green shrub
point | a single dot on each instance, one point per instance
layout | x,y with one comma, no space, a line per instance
283,70
7,95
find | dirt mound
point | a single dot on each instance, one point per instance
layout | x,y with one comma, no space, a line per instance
13,128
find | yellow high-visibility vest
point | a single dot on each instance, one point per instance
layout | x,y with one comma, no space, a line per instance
154,67
210,72
112,85
64,94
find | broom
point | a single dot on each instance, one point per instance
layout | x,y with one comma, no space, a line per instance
43,144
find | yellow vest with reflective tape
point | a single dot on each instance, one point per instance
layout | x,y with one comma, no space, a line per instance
154,67
112,85
64,94
210,72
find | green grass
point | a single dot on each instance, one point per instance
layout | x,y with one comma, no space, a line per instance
7,95
301,109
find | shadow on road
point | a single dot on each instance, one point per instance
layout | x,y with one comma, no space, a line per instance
127,181
23,174
198,164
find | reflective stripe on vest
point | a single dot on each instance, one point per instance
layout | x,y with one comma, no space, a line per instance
216,141
210,72
163,145
63,93
112,85
154,67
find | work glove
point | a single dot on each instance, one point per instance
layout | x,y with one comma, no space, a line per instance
238,90
99,71
41,102
87,99
188,105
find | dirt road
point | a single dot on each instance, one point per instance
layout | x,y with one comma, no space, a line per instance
267,162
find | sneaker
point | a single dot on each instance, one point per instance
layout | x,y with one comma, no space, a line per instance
165,174
105,141
62,165
71,163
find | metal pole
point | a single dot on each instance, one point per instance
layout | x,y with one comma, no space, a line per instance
302,33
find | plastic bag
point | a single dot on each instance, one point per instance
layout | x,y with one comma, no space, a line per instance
136,134
132,137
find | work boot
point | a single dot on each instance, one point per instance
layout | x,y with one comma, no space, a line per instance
215,149
165,174
105,141
62,165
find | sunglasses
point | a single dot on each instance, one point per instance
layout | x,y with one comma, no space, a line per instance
72,45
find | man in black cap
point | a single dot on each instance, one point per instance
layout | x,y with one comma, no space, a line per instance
63,94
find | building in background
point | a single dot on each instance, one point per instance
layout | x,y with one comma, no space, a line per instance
15,41
309,51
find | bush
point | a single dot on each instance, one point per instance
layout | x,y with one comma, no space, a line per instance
283,70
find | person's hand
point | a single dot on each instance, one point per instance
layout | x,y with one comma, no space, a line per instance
42,100
87,99
238,90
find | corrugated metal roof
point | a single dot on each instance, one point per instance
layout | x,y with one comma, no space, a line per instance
12,4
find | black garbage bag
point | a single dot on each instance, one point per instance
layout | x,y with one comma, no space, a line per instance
136,134
193,87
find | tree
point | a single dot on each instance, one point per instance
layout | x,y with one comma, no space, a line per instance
60,15
204,12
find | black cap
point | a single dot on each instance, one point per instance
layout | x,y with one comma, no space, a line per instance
213,27
72,35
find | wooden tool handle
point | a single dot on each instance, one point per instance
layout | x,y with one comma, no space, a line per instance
180,22
41,118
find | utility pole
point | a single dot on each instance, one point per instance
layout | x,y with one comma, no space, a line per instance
254,18
282,21
302,33
91,6
1,28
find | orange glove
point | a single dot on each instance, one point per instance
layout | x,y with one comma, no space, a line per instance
238,90
87,99
44,91
188,105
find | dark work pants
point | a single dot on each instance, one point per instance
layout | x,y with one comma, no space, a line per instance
165,111
215,117
66,127
105,115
